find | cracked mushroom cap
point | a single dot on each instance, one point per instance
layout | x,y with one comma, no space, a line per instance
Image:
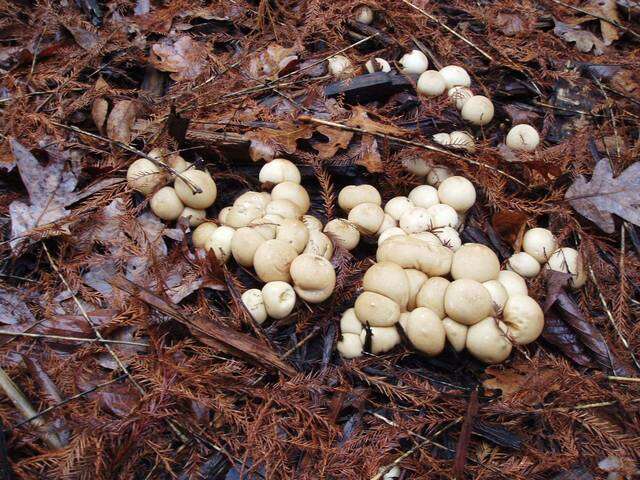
467,301
540,243
313,277
524,319
456,333
487,341
476,262
408,252
383,339
273,259
367,217
293,192
279,299
343,233
376,310
353,195
145,176
390,280
252,300
425,331
244,244
431,295
203,181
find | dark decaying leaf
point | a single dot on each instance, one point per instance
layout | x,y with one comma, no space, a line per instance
86,39
558,333
603,195
497,435
13,310
177,125
509,23
607,11
577,473
556,282
509,225
465,436
584,40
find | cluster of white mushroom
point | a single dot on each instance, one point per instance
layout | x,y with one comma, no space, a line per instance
435,294
540,249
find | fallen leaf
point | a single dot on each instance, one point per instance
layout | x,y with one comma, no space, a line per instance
529,387
13,309
338,139
509,24
360,119
509,225
369,155
604,195
585,41
121,120
284,137
558,333
520,114
99,111
609,10
86,39
183,58
272,61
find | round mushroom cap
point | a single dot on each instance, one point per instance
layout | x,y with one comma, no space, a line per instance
416,280
377,65
202,233
498,294
244,244
408,252
524,319
283,208
390,280
176,162
340,66
194,216
513,283
442,215
350,346
455,76
353,195
166,204
462,141
456,333
459,96
343,233
319,244
437,174
294,232
349,323
478,110
252,300
391,232
312,272
476,262
203,181
467,301
397,206
523,264
367,217
431,295
219,242
242,215
404,318
424,196
222,216
376,310
255,199
145,176
314,296
312,223
387,223
383,339
431,83
487,341
279,299
415,220
416,166
279,170
540,243
364,14
427,237
449,237
273,259
523,137
425,331
442,138
293,192
267,226
568,260
414,62
457,192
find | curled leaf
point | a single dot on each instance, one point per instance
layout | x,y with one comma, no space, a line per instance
121,120
183,58
585,41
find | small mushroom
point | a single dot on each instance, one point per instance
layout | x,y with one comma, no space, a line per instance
456,333
364,14
540,243
366,217
524,319
415,219
340,66
293,192
222,216
145,176
353,195
449,237
219,242
424,196
313,277
476,262
457,192
431,83
455,76
279,299
377,65
498,294
390,280
349,323
293,232
416,281
523,137
513,283
487,341
343,233
194,216
283,208
200,179
477,110
408,252
568,260
273,259
459,96
414,62
442,215
376,310
467,301
244,244
383,339
252,300
437,174
350,346
397,206
416,166
425,331
279,170
523,264
166,204
312,223
462,141
202,233
431,295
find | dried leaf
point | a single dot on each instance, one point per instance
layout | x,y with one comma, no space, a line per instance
360,119
520,114
510,226
86,39
521,383
13,310
338,139
603,195
284,137
121,120
99,111
558,333
369,155
585,41
609,10
183,58
510,24
272,61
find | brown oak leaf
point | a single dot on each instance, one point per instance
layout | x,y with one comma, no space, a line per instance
360,119
338,139
369,155
606,9
183,58
585,41
121,120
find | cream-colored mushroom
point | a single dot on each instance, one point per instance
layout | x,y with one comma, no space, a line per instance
431,83
293,232
376,310
437,174
343,233
377,65
442,138
312,223
477,110
390,280
431,295
273,259
340,66
267,225
434,260
449,237
255,199
457,192
349,322
442,215
219,242
459,96
487,341
319,244
414,62
283,208
455,76
293,192
364,14
353,195
244,244
416,281
467,301
456,333
194,216
476,262
201,180
416,166
513,283
202,233
242,215
367,217
391,232
568,260
415,220
426,237
279,299
145,176
350,346
252,300
523,264
387,223
524,319
222,216
424,196
397,206
462,141
313,276
383,339
498,294
425,331
540,243
523,137
166,204
279,170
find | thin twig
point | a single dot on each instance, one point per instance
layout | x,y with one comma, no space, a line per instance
614,378
75,339
599,17
306,118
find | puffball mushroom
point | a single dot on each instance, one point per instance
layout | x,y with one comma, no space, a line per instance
244,244
376,310
194,216
415,219
408,252
279,299
283,208
459,96
462,141
350,346
252,300
293,192
312,223
377,65
202,233
242,215
203,181
427,237
397,206
319,244
568,260
222,216
340,66
391,232
145,176
449,237
293,232
416,280
437,174
513,283
443,215
456,333
442,138
476,262
499,295
524,319
313,277
425,331
279,170
523,264
424,196
343,233
487,341
367,217
417,166
353,195
523,137
267,226
455,76
383,339
431,295
166,204
349,322
255,199
540,243
387,223
467,301
364,14
457,192
477,110
220,242
414,62
273,259
431,83
390,280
